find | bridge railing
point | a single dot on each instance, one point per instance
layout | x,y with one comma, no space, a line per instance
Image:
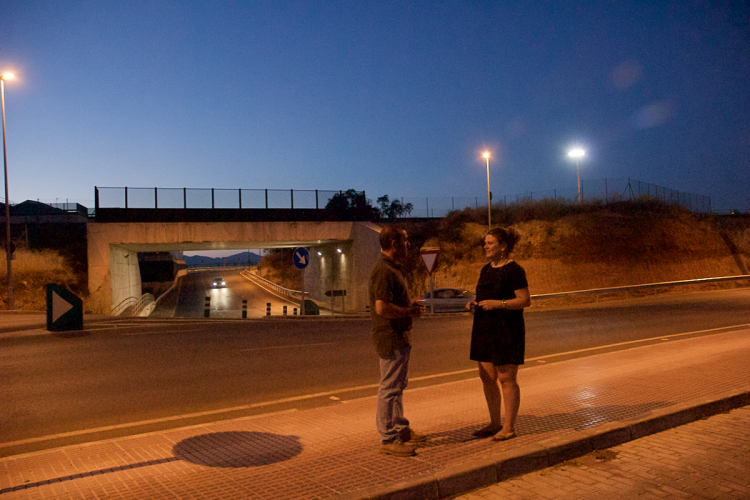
209,198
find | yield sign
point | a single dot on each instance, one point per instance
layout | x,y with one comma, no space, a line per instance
430,260
64,310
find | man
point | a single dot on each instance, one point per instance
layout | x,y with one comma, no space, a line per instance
391,312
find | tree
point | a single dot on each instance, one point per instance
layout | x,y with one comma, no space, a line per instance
392,209
350,205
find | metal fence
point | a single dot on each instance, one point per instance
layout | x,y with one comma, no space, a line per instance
592,191
176,198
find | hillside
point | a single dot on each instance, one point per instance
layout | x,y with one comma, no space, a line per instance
612,246
562,247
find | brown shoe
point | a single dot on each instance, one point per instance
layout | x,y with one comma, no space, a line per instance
398,449
412,437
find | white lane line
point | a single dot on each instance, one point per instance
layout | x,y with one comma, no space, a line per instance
160,331
320,394
124,426
286,346
660,337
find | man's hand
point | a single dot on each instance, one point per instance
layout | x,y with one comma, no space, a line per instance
392,311
415,311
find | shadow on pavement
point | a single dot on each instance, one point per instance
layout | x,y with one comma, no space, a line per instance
237,449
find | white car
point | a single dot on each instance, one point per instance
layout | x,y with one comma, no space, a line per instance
446,299
218,283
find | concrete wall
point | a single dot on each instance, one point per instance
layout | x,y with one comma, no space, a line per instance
126,275
112,278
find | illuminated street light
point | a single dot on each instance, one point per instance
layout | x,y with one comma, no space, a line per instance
8,253
486,156
577,154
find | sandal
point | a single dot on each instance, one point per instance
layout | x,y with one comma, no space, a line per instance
487,431
500,436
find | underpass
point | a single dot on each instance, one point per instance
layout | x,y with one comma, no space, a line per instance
341,253
187,299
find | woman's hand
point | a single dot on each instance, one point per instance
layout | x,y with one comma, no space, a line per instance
489,305
471,305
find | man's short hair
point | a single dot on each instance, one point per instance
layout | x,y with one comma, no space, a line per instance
389,234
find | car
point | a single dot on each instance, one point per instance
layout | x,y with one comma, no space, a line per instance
218,283
446,299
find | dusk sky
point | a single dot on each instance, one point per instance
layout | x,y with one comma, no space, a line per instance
390,97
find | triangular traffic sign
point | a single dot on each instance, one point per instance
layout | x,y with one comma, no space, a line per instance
430,260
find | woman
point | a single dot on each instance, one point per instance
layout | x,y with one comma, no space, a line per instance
498,335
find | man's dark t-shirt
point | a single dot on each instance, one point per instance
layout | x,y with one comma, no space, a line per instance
387,283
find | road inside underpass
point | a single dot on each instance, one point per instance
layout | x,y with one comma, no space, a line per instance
130,376
188,299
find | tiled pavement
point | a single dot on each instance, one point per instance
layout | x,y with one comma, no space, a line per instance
706,459
568,409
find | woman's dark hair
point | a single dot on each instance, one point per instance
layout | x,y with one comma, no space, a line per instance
508,236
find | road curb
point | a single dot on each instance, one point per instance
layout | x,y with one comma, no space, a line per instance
463,478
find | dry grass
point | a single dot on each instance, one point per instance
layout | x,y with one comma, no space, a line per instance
566,249
32,270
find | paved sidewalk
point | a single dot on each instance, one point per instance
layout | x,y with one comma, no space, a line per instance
17,321
24,323
709,458
568,409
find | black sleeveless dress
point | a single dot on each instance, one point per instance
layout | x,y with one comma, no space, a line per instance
499,336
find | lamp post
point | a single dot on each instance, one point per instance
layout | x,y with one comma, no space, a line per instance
486,156
8,253
577,153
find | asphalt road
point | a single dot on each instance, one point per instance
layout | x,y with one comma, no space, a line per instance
188,299
134,375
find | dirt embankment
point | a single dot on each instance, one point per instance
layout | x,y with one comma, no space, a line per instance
606,249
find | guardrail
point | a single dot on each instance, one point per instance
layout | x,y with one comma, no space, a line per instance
286,291
122,306
139,304
630,288
144,305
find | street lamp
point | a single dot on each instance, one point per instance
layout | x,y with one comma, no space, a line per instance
8,253
486,156
577,153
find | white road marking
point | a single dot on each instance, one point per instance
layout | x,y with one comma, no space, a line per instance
160,331
286,346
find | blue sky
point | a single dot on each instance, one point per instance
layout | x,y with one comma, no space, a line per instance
390,97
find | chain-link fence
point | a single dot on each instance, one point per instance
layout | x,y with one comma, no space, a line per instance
592,191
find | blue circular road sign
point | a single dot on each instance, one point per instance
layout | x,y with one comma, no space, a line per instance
301,258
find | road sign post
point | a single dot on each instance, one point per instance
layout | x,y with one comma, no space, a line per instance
430,258
301,258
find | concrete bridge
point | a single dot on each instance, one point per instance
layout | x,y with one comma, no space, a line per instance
348,250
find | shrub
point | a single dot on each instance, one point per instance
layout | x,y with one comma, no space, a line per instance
32,270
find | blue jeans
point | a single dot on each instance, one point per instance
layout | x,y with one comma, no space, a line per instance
393,380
